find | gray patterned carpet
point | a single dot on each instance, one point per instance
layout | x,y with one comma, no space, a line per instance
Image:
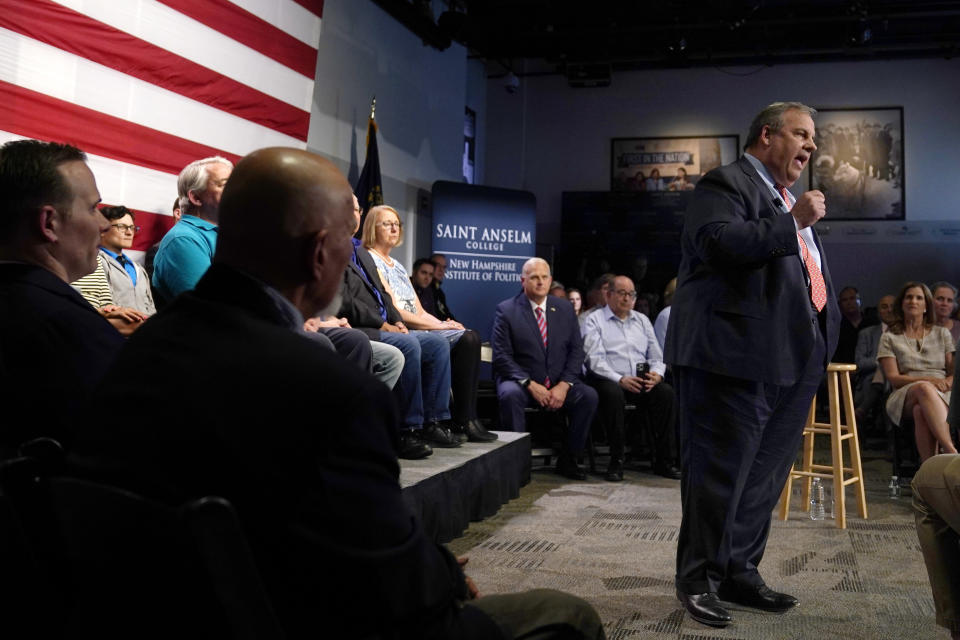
614,545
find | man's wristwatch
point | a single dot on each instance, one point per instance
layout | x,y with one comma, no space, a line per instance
525,383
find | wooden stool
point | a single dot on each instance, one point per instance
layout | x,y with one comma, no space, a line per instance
838,433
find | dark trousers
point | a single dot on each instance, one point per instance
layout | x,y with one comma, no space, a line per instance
656,409
464,373
580,405
353,345
738,439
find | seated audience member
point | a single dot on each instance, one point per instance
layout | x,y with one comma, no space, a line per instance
151,253
936,504
301,445
422,392
380,359
646,304
596,296
557,289
439,273
128,281
186,250
537,359
54,346
95,289
868,379
382,232
663,318
945,301
422,281
851,322
618,343
917,359
464,358
576,300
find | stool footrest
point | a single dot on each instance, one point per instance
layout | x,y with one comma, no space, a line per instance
828,430
840,393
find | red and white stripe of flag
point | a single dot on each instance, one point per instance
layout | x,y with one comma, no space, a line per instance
147,86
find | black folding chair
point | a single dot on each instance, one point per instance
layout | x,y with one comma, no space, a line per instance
99,561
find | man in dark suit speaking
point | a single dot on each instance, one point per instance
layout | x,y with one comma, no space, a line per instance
754,322
302,442
537,360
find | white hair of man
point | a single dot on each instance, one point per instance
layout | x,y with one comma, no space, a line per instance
194,177
529,264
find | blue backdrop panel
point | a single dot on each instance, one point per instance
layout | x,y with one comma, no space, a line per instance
487,234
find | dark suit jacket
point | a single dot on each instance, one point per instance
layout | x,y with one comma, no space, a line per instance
742,308
359,304
301,442
518,350
443,311
54,348
868,343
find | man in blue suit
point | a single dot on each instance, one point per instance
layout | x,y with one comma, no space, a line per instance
754,322
537,360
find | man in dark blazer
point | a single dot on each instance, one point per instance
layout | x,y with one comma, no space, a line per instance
753,323
537,361
54,346
301,441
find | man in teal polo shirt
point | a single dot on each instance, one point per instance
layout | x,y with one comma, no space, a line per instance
186,251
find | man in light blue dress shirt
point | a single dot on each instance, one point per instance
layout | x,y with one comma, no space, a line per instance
616,339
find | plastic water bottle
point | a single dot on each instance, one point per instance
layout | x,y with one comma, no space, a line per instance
816,500
894,487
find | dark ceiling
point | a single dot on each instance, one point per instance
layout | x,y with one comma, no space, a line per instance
600,37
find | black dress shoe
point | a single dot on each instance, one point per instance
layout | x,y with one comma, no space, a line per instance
459,432
439,436
667,471
615,470
412,447
762,597
705,608
476,433
568,468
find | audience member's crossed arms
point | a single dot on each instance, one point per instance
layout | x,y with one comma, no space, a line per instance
124,319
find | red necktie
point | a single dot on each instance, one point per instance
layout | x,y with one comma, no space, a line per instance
818,288
542,325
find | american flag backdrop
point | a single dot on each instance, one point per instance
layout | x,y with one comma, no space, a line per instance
147,86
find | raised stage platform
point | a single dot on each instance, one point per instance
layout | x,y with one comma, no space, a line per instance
455,487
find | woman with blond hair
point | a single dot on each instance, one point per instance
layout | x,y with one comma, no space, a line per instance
382,231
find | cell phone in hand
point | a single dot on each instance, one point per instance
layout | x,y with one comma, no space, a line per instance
643,368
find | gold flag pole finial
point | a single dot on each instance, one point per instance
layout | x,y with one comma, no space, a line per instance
373,107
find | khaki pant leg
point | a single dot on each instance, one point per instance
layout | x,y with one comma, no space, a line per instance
936,501
542,614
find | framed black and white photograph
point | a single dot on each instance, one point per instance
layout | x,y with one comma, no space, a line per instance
858,164
667,163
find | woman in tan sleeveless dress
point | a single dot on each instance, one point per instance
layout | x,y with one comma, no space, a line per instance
917,358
